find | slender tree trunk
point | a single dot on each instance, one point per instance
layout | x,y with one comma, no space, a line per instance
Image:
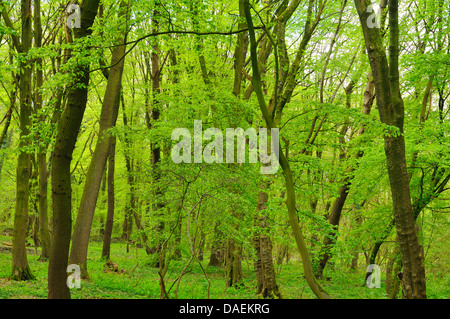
179,219
333,219
5,145
199,43
233,250
290,191
131,212
356,223
66,137
108,118
240,52
110,215
5,137
338,205
43,208
177,251
233,263
393,273
216,256
156,147
42,154
201,248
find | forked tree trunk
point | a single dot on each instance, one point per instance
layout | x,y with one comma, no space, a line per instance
391,110
333,219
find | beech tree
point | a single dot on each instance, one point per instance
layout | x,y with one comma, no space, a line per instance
108,118
66,137
20,268
391,110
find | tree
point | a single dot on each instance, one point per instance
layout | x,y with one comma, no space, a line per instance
108,118
106,251
290,192
42,151
66,137
20,268
391,110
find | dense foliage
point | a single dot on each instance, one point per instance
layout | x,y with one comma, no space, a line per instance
180,65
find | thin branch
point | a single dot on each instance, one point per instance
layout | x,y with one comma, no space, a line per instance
154,34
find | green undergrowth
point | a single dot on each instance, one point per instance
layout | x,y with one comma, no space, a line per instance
136,279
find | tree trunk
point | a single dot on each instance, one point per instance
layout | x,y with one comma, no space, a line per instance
233,263
177,249
393,270
20,268
159,204
356,223
42,153
43,207
391,110
290,191
201,248
108,118
5,137
216,256
110,215
127,225
282,253
334,218
239,52
338,205
66,137
266,285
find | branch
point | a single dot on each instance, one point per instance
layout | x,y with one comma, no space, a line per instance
10,25
154,34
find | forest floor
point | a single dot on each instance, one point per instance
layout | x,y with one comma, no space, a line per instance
136,279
